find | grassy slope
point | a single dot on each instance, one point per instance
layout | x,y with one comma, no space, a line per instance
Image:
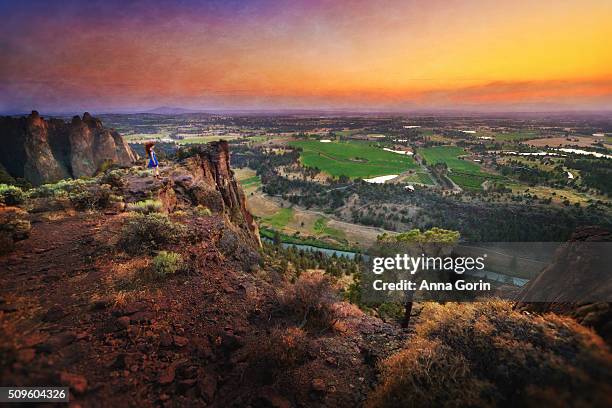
340,158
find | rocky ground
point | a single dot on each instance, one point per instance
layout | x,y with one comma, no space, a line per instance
174,343
74,312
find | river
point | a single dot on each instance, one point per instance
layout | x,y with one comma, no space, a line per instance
488,275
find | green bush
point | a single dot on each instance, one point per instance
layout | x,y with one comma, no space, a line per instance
5,177
11,195
91,197
83,193
145,206
61,189
105,166
391,311
167,263
149,232
115,178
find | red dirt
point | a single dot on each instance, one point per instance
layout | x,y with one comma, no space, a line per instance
172,343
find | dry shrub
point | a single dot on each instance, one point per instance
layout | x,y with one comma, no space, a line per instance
309,301
202,211
486,354
123,298
145,233
276,354
92,197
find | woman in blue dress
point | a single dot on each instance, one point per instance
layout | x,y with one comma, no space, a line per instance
153,163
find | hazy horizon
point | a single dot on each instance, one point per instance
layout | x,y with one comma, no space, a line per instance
165,110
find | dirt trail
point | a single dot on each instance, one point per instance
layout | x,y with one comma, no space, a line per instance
56,253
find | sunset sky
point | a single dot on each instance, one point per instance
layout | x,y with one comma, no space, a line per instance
65,56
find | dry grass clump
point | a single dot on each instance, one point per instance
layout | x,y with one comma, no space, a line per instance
145,233
309,301
275,355
128,270
146,206
486,354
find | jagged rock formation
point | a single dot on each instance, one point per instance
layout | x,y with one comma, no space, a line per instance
203,177
43,151
211,167
576,283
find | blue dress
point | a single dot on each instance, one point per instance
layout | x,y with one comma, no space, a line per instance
153,160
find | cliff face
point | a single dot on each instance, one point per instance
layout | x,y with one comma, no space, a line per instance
211,166
43,151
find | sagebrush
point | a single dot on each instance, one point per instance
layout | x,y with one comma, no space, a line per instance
487,354
149,232
167,263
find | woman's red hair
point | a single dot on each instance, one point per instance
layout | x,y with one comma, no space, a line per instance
148,147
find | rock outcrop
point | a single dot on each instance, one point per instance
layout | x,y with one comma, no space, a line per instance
43,151
202,178
577,282
211,167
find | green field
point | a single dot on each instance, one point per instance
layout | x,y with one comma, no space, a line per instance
280,219
204,139
311,241
320,228
472,181
258,139
450,156
426,132
465,174
346,133
421,178
254,181
354,159
515,136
